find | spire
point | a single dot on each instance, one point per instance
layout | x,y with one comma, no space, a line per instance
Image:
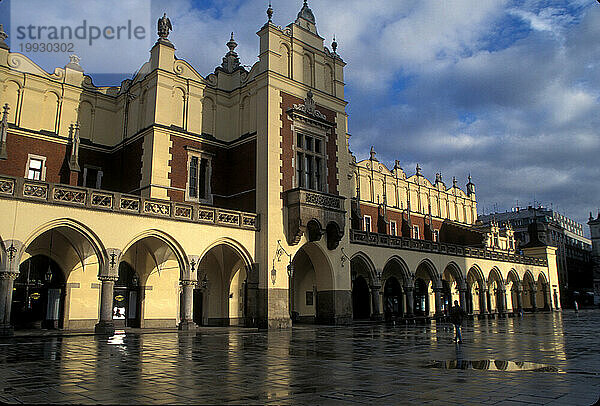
373,153
334,45
270,12
306,13
232,44
418,170
454,181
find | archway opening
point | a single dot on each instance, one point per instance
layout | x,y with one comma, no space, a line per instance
474,291
529,294
361,307
311,293
450,288
393,303
127,298
512,292
147,292
63,263
423,293
38,294
221,295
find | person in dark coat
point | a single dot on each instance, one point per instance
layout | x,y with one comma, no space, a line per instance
457,315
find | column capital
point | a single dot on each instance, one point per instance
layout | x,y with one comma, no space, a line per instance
108,278
186,282
9,274
408,288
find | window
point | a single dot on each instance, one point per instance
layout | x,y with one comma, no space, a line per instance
393,228
416,232
436,235
368,224
310,158
36,167
92,177
309,298
199,174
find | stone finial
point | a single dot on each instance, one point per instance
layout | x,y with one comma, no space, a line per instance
334,45
3,37
438,177
372,154
231,61
454,181
397,165
164,27
591,217
469,177
270,12
75,140
232,45
306,13
418,170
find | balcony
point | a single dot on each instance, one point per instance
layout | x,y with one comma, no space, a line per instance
388,241
316,214
102,200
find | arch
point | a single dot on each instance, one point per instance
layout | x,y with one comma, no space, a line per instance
178,106
179,252
12,91
85,118
495,274
455,271
308,70
85,231
428,265
50,110
404,270
233,244
528,277
541,279
284,52
513,276
366,262
328,78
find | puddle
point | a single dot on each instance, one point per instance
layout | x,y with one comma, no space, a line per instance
492,365
118,338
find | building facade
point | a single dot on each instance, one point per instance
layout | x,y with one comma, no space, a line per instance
594,224
177,199
574,250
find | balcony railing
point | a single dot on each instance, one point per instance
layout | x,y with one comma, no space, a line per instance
53,193
384,240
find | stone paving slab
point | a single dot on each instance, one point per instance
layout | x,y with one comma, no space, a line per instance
364,364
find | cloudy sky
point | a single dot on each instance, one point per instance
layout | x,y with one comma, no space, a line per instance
506,90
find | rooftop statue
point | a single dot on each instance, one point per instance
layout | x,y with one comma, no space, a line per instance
164,26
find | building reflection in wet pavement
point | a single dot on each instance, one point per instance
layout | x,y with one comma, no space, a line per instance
542,358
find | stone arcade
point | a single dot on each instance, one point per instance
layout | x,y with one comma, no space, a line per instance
177,199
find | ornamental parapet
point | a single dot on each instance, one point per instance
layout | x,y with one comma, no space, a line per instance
102,200
388,241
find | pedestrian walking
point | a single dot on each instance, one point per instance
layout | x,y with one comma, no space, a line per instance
457,315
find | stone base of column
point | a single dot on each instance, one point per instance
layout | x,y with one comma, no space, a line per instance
187,325
105,328
6,330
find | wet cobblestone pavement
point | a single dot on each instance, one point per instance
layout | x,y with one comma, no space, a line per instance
367,364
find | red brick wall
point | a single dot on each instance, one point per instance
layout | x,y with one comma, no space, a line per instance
19,147
122,169
233,172
287,141
371,212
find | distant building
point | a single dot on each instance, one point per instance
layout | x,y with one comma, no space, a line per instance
595,233
574,254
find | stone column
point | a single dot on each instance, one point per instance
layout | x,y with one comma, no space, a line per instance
187,306
375,300
409,301
462,295
533,293
483,308
7,279
519,297
547,303
106,325
500,300
438,301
